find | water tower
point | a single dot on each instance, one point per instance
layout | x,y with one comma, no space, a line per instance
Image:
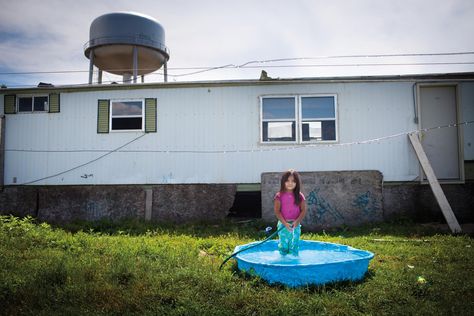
126,44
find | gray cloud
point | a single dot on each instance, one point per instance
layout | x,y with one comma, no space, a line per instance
49,35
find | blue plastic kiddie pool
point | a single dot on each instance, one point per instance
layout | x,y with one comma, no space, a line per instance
317,263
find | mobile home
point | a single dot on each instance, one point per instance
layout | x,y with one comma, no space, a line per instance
181,151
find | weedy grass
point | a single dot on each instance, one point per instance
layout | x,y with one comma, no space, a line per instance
142,268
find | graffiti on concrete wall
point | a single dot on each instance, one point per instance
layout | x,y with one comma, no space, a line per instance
334,198
92,210
366,203
321,209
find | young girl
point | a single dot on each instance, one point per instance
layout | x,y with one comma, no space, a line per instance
290,209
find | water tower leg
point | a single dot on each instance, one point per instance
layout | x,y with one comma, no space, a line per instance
91,65
126,78
100,77
135,64
165,71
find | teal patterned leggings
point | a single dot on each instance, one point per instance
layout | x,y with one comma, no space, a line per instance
289,241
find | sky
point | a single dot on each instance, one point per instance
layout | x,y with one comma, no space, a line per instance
43,41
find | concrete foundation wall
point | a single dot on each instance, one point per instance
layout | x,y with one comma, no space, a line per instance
333,198
418,202
196,202
19,201
168,203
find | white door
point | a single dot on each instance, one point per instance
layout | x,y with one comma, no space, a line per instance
438,108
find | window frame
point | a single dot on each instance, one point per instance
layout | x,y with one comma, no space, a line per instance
299,119
32,96
142,129
294,97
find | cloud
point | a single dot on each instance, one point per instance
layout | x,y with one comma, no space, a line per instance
49,35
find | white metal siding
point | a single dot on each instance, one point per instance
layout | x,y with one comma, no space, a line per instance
215,118
466,94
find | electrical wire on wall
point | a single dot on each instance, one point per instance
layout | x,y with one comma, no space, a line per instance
84,164
286,148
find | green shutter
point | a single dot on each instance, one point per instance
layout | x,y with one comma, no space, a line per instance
103,116
150,115
54,103
9,102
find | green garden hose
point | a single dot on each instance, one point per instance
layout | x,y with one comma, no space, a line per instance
251,246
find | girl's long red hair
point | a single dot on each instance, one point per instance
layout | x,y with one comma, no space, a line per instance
296,191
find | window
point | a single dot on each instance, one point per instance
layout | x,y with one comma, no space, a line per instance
298,119
318,118
126,115
278,119
32,104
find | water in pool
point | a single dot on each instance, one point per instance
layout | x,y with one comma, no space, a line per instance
307,256
317,263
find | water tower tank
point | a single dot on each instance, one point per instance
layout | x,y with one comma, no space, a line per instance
126,44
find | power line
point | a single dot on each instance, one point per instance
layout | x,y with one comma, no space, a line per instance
234,67
245,65
322,65
365,64
360,56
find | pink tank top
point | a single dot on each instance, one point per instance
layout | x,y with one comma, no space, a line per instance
289,210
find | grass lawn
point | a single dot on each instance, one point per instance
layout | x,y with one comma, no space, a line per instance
145,268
